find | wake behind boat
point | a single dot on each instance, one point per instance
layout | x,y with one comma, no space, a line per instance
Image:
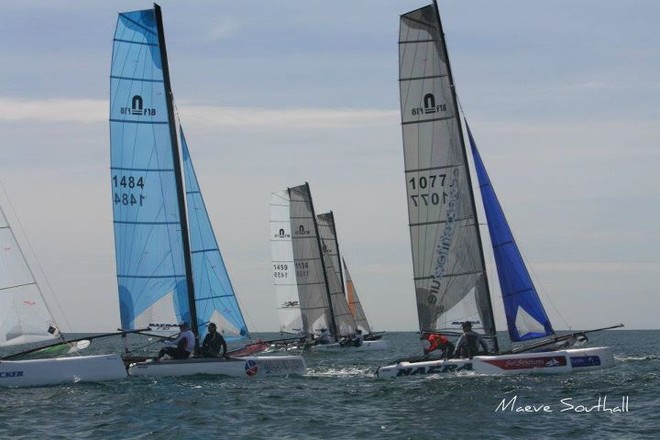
169,265
451,285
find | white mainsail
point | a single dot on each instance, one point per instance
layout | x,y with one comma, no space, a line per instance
24,315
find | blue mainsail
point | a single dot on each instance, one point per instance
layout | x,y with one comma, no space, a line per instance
214,295
525,315
147,224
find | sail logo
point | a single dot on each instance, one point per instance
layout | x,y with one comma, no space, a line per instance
442,249
162,326
136,105
137,108
302,231
429,106
290,304
282,234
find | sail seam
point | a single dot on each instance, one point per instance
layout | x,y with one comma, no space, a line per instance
154,170
428,120
125,17
18,285
418,41
413,78
151,276
136,79
139,122
141,43
433,168
125,222
449,275
205,250
440,221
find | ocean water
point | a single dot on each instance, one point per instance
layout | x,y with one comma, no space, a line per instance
339,398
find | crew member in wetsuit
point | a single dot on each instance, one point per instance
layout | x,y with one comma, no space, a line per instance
436,341
467,344
213,342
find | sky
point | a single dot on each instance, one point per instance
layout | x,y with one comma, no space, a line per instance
563,98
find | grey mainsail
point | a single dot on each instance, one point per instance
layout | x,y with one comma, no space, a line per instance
330,247
448,263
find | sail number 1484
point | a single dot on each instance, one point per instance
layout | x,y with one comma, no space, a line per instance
122,190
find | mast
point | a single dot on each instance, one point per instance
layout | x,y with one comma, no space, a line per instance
469,178
325,274
341,272
185,238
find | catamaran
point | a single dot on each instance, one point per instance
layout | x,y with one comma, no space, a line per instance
451,286
25,320
169,266
305,258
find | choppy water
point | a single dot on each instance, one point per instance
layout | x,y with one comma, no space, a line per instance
340,399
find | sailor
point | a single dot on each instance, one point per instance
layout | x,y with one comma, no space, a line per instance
213,343
467,344
436,341
357,339
181,346
324,338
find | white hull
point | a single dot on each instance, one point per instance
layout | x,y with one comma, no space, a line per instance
56,371
563,361
378,344
249,366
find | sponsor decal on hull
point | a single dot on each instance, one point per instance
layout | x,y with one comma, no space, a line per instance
6,374
525,363
585,361
251,368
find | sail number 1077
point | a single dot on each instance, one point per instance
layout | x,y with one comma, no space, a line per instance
432,184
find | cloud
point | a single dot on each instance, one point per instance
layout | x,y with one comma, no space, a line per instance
91,111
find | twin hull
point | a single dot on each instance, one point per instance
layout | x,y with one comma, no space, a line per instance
250,366
56,371
563,361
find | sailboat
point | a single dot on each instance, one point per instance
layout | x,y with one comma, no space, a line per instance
451,284
311,297
25,320
169,266
330,247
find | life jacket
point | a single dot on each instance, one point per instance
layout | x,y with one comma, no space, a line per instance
471,344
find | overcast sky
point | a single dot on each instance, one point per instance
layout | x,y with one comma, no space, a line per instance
563,98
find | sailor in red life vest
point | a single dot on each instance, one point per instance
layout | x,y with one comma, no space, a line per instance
436,341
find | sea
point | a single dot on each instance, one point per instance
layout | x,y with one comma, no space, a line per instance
340,398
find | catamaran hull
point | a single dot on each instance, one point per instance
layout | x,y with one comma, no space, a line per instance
250,367
56,371
564,361
380,344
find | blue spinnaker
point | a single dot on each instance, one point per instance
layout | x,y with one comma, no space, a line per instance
214,295
148,240
525,315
